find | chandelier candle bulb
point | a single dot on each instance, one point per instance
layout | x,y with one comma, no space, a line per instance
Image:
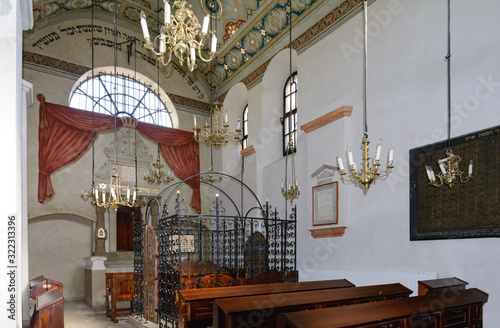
128,194
104,196
135,195
339,161
443,169
429,173
206,20
378,150
470,167
113,193
391,155
349,156
239,124
213,48
144,25
192,53
162,45
167,12
194,118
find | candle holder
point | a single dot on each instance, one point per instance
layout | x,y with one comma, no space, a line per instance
367,174
450,172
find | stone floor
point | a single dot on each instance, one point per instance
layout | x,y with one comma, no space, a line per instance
78,314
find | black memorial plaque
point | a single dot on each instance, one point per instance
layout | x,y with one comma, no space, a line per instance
466,210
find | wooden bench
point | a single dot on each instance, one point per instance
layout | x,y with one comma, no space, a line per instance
447,309
49,310
119,288
261,310
196,305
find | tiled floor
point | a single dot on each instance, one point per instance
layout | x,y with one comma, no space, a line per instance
78,314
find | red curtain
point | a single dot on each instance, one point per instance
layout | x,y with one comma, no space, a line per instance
64,134
181,152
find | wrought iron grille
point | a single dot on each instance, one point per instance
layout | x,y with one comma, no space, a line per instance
216,250
138,266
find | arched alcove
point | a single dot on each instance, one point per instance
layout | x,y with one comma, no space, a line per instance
58,244
273,83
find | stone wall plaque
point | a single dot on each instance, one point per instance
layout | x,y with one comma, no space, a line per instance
325,204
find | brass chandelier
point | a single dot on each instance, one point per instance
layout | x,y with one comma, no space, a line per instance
448,166
157,176
180,35
111,197
217,133
290,189
366,175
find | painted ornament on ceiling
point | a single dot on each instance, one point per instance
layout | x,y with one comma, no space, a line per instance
231,28
300,4
275,21
253,41
234,58
132,13
212,7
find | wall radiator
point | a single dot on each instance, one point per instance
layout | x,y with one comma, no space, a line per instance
365,278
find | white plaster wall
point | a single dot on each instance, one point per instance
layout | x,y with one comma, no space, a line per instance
406,104
58,245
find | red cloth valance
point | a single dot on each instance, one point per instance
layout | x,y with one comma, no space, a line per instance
64,133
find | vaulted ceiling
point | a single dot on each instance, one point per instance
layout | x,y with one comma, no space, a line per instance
249,32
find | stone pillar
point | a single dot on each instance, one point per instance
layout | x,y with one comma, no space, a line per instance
155,213
113,254
100,234
95,282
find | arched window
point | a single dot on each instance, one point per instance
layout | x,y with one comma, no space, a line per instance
120,95
244,140
290,114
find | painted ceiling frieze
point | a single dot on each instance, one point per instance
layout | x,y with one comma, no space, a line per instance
259,36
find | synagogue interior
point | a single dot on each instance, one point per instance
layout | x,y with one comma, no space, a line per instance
343,152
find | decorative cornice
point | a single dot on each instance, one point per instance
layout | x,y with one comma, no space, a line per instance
247,151
327,119
328,232
78,70
305,38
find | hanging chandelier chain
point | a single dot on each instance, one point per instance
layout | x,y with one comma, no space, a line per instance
365,68
290,190
448,61
449,171
112,197
367,174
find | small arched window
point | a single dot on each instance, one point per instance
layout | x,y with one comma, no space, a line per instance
244,118
290,114
120,95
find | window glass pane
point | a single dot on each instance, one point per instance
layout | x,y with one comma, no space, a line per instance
122,95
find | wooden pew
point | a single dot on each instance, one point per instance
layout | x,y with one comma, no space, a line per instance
447,309
49,310
120,288
196,305
261,310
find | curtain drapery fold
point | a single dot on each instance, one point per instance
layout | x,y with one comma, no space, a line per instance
65,133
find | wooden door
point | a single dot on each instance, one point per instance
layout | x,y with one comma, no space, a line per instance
150,284
125,228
